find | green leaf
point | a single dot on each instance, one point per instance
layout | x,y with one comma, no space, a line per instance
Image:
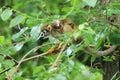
10,50
19,78
1,59
70,50
100,37
88,35
11,71
17,20
0,11
17,35
35,32
6,14
31,21
38,69
107,58
2,38
115,38
66,9
8,63
58,77
0,65
97,76
18,46
91,3
110,12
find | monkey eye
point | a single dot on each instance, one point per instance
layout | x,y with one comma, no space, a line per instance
44,33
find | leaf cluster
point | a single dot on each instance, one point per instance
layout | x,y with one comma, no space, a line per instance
20,25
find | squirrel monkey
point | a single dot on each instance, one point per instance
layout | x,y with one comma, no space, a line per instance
57,27
63,26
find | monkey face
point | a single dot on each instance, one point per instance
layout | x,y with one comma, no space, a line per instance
45,31
44,34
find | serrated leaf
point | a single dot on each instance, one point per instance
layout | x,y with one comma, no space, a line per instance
17,20
6,14
17,35
8,63
31,21
11,71
35,32
10,50
91,3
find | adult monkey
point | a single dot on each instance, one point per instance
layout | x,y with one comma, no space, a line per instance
58,27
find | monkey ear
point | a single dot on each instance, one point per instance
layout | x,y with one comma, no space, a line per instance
49,27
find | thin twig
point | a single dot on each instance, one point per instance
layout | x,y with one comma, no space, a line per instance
35,48
58,57
9,57
25,60
33,57
7,69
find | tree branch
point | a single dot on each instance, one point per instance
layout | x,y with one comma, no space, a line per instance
7,69
9,57
35,48
100,53
33,57
24,60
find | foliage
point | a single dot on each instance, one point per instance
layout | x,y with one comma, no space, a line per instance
20,25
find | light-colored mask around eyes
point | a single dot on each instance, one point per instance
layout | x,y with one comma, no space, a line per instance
44,34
